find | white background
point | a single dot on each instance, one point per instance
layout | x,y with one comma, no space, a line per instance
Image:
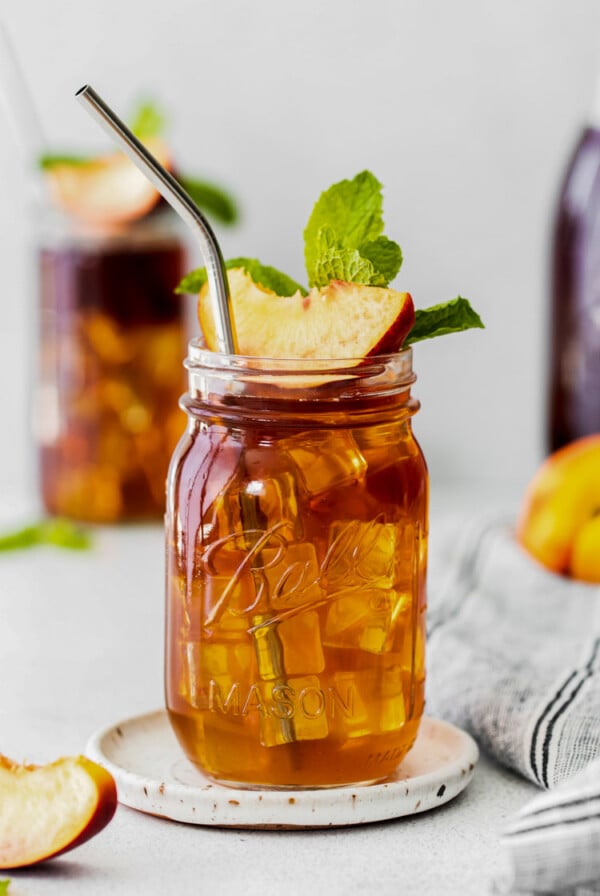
465,110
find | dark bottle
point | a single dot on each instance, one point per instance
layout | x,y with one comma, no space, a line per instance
574,376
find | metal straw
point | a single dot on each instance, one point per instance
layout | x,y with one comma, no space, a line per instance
183,204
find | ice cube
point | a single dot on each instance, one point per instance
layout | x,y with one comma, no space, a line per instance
326,459
258,506
392,713
373,699
375,443
360,620
212,670
296,711
350,693
361,553
229,598
270,488
291,572
300,637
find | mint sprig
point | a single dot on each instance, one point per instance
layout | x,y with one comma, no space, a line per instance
344,240
262,274
439,320
57,532
344,234
50,160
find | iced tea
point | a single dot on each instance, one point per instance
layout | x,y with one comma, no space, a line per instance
296,552
111,338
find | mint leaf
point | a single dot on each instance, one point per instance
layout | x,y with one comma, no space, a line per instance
49,160
334,262
352,209
64,534
58,532
211,199
439,320
385,256
351,214
147,121
262,274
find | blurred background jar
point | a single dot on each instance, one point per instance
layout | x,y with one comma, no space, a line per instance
112,332
574,368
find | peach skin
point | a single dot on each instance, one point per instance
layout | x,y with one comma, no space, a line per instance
46,810
561,501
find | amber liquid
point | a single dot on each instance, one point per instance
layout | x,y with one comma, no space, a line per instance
296,601
112,339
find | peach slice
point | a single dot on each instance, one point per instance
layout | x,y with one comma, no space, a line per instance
107,190
341,320
49,809
561,500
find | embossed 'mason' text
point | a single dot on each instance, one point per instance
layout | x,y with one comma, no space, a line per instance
282,701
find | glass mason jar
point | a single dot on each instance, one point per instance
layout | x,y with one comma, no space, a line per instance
111,337
296,553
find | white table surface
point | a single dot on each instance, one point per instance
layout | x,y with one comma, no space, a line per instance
81,648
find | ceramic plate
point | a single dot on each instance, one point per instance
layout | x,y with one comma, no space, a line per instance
152,776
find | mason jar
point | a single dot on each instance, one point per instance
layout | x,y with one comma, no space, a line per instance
111,335
296,535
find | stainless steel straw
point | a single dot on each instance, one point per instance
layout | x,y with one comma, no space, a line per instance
183,204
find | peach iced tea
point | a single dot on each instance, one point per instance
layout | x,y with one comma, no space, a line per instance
297,514
112,335
297,533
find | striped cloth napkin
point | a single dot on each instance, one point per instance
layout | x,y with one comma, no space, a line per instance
514,658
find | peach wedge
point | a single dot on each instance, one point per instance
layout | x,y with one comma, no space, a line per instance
49,809
341,320
104,191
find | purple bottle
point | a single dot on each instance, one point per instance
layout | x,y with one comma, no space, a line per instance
574,376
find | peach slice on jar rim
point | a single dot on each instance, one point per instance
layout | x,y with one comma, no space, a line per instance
339,321
106,190
49,809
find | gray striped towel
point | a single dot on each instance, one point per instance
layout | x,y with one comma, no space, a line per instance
514,658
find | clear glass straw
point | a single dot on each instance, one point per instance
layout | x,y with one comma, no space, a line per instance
181,202
16,102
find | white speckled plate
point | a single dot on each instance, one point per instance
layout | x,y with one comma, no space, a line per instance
153,776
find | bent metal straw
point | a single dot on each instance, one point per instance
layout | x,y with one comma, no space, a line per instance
181,202
266,640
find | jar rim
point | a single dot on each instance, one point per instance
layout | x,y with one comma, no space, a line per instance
201,358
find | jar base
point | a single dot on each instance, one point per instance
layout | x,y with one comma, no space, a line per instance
240,763
244,785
